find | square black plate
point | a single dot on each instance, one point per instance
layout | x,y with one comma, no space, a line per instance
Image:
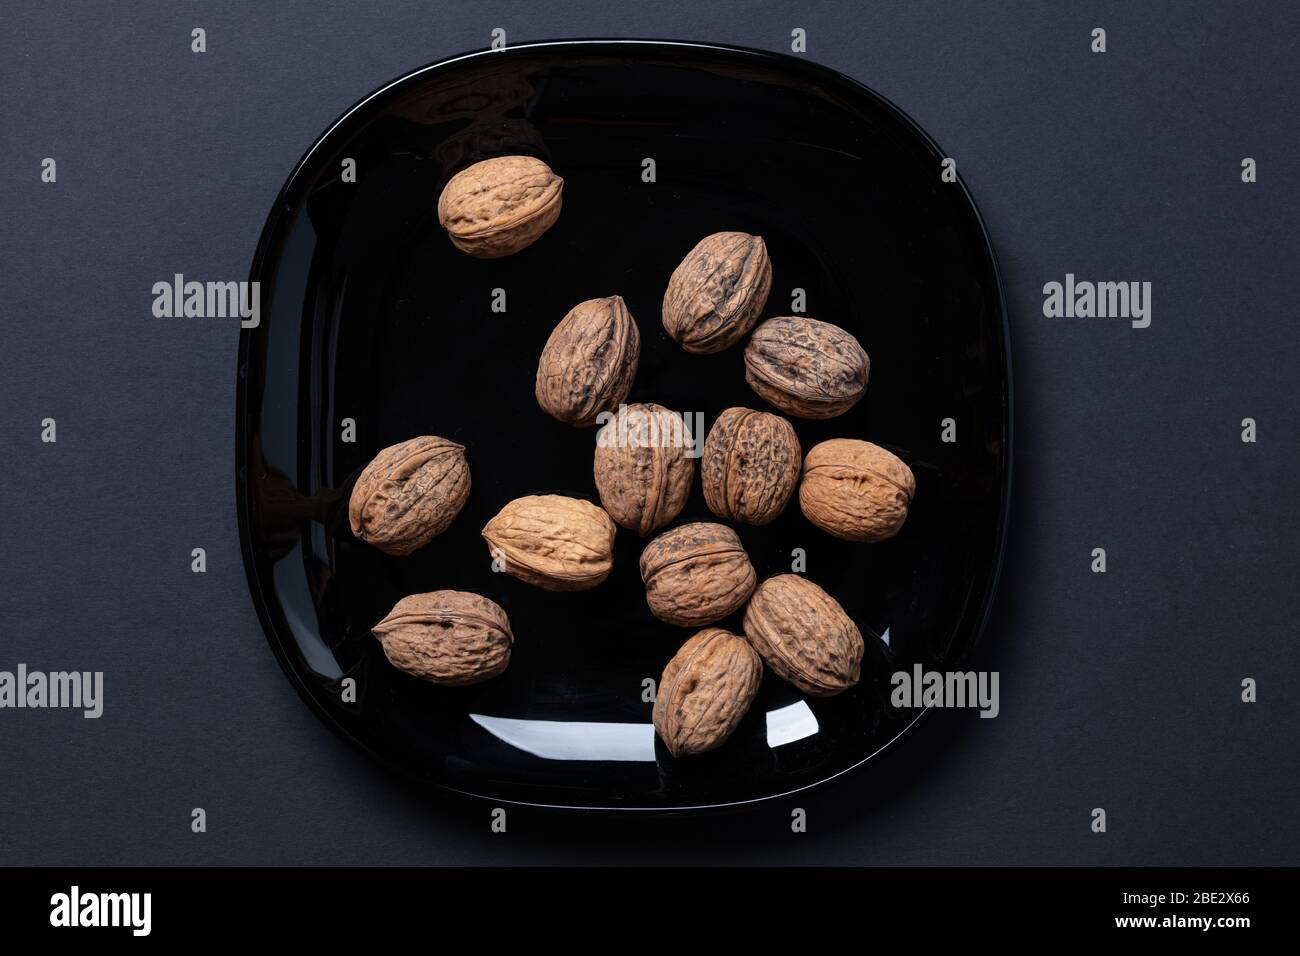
369,314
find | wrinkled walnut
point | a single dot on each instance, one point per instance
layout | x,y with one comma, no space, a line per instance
500,206
804,635
642,470
806,368
409,494
750,465
855,490
717,292
705,691
589,361
554,542
696,574
447,637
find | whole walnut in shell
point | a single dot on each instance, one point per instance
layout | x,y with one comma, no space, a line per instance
804,635
750,465
643,472
855,490
589,361
554,542
500,206
409,494
705,691
447,637
806,368
715,295
696,574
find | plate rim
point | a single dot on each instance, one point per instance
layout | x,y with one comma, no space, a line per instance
270,228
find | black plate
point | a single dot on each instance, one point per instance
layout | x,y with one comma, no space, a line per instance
369,314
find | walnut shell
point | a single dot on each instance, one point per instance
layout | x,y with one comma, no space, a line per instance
499,206
705,691
696,574
554,542
409,494
806,368
855,490
642,469
447,637
750,466
589,361
716,293
804,635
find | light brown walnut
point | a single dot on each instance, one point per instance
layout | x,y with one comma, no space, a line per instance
409,494
589,361
642,468
696,574
715,295
499,206
553,542
855,490
447,637
806,368
804,635
750,466
705,691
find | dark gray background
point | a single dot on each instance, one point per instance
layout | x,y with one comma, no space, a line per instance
1118,690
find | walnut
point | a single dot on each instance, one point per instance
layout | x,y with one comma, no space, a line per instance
409,494
589,361
500,206
642,470
717,292
554,542
804,635
705,691
750,466
806,368
855,490
696,574
447,637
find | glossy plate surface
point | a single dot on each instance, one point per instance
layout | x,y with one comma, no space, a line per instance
369,314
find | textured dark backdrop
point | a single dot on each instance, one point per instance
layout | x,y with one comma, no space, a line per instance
1118,690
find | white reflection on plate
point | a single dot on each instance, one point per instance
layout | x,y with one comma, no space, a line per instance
572,739
789,724
582,740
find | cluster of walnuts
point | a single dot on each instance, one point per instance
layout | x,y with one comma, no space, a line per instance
694,574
